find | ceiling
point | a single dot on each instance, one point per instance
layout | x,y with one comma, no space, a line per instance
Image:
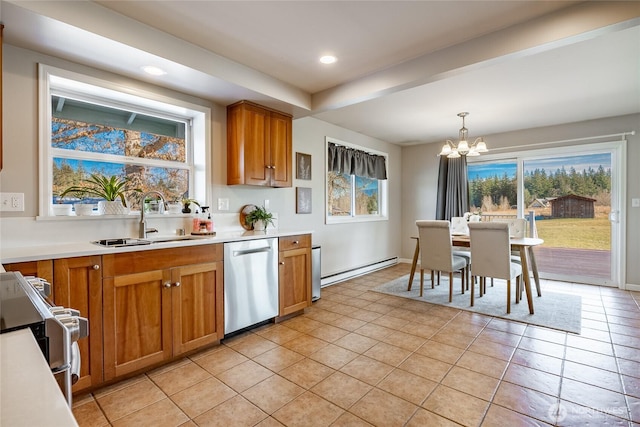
404,70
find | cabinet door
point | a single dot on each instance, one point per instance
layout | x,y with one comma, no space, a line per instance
280,150
295,280
257,163
1,28
137,321
42,269
197,306
78,284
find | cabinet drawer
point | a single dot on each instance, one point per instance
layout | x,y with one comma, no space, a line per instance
294,242
148,260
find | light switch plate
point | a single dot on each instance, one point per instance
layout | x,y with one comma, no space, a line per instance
12,202
223,204
635,203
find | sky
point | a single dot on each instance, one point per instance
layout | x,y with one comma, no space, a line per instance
550,165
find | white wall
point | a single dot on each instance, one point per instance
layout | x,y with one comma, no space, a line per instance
420,175
344,246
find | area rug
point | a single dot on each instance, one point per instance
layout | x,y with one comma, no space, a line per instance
551,310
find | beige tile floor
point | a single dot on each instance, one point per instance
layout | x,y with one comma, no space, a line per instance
359,358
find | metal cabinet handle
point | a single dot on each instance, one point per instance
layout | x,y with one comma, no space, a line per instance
282,263
295,242
268,166
273,166
96,267
167,285
177,284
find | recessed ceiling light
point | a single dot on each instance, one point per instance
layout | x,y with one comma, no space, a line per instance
328,59
153,70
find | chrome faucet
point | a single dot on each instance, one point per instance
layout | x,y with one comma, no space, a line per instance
143,230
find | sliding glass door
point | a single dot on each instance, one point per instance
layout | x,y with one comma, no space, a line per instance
572,200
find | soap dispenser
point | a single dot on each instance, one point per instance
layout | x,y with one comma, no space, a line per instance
205,225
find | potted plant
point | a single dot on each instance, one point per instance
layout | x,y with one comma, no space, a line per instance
186,205
112,189
260,218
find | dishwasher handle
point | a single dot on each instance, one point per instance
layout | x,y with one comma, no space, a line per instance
251,251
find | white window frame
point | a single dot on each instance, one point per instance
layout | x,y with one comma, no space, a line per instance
618,150
52,80
383,204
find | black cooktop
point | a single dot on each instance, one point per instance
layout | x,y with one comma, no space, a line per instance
17,307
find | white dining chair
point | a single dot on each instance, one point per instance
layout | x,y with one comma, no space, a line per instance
436,253
517,226
459,226
517,229
491,252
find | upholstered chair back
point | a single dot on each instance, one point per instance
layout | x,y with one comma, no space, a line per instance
435,245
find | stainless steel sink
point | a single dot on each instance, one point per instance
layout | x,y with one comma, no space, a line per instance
134,241
120,242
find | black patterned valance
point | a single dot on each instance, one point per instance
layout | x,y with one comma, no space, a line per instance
356,162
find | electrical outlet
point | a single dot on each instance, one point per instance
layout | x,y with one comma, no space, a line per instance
635,203
223,204
12,202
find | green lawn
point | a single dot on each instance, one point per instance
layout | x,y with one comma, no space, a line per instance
575,233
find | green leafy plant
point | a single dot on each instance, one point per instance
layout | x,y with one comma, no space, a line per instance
108,188
260,214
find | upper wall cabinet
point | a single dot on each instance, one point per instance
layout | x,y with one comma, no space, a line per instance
1,27
258,146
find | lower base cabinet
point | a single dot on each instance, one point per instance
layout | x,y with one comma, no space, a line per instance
76,283
159,304
294,273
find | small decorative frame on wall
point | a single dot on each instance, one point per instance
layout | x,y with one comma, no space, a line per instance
303,166
303,200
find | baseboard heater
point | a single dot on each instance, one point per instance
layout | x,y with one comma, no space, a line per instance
358,271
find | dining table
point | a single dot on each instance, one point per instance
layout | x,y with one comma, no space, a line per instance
523,245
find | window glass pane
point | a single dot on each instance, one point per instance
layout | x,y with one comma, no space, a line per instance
83,126
366,196
493,187
339,194
171,182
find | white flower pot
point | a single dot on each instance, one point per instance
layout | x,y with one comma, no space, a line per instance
61,209
83,209
112,207
175,208
259,226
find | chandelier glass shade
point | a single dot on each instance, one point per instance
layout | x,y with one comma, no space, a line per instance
463,148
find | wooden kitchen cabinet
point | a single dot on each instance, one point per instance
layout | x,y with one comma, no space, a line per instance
294,273
77,283
159,304
1,30
42,269
258,146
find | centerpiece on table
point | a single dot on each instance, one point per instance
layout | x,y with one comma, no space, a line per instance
473,216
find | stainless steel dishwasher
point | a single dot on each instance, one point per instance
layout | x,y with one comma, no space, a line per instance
250,283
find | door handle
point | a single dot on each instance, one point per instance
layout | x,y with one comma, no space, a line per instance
251,251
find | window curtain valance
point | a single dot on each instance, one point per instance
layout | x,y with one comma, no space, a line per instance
355,162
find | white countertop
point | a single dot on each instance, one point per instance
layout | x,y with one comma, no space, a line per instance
29,394
85,248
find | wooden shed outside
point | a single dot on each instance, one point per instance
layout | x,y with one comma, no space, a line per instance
573,206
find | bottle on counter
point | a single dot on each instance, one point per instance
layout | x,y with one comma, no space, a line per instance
203,223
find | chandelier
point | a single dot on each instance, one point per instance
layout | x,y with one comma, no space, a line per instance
463,148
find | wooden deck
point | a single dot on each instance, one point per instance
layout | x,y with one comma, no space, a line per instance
574,262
